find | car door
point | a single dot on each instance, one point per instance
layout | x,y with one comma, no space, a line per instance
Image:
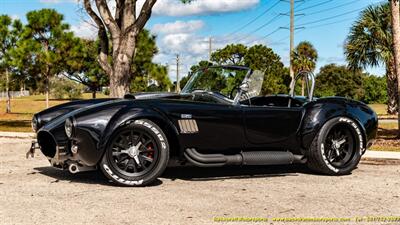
208,127
267,125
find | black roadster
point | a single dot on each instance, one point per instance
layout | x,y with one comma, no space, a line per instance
218,119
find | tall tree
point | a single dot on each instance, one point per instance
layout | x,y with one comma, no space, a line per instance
9,35
194,69
200,65
144,70
276,78
45,43
82,67
370,43
232,54
257,57
336,80
304,58
124,26
374,89
395,16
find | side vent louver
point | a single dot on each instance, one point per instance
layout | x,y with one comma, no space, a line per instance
188,126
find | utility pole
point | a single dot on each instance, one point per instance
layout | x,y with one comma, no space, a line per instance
209,48
292,28
168,72
177,88
291,38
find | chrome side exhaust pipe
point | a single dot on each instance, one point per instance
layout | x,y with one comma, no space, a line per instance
243,158
75,168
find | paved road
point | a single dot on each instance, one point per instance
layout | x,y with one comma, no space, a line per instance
387,121
34,193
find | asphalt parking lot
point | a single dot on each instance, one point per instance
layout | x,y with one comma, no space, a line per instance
34,193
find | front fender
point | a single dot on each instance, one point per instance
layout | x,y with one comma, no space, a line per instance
127,115
57,111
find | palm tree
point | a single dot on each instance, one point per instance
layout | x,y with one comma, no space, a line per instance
395,16
370,43
304,58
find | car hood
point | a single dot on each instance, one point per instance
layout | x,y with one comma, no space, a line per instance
150,95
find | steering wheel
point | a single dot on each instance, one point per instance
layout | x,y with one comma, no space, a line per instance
219,94
195,91
236,88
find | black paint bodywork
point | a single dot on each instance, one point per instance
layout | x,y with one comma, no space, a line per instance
264,123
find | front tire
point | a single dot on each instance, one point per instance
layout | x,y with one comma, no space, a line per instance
337,148
136,155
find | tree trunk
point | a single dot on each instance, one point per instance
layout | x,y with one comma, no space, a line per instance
394,5
302,86
47,81
8,107
391,82
121,72
119,81
47,91
94,93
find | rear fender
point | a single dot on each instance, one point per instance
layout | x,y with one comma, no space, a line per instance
318,114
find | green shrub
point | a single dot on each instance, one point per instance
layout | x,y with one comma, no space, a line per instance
61,88
106,91
375,90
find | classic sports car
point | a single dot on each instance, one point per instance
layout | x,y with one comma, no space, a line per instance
218,119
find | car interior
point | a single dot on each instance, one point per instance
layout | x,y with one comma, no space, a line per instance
288,100
274,101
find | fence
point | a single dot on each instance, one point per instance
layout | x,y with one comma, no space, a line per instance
14,94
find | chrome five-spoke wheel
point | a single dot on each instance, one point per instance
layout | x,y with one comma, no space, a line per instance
339,145
134,152
337,148
137,154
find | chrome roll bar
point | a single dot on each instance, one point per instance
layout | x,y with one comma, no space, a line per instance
309,76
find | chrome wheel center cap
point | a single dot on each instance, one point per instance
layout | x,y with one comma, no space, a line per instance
337,145
133,151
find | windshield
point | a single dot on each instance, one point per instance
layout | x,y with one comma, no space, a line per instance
254,82
222,80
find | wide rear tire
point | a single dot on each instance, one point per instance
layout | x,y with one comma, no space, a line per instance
136,155
337,148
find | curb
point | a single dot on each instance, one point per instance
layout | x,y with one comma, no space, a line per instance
379,161
381,158
382,154
20,135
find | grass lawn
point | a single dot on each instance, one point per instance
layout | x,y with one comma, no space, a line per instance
23,109
380,109
387,138
387,132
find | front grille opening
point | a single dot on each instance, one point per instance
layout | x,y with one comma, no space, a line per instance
47,144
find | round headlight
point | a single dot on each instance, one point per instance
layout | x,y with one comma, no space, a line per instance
34,124
69,126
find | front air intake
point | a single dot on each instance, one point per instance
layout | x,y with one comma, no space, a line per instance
47,144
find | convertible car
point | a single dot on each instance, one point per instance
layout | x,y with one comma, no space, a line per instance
220,118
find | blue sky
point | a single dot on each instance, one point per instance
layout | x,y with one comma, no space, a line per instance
185,29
